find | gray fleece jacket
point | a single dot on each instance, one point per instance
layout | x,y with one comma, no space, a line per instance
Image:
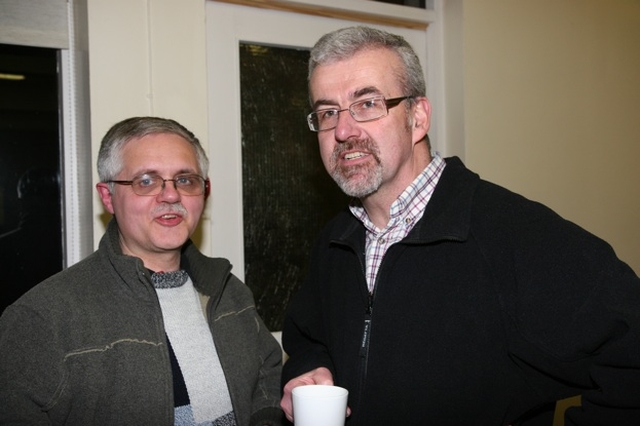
87,346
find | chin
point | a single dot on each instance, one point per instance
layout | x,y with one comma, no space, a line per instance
173,243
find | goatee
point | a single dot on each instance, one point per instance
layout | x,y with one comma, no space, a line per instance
358,180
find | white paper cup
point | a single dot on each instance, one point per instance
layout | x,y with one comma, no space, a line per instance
319,405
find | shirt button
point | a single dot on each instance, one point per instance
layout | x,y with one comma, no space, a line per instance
381,240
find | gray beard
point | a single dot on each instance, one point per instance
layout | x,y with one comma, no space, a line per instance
360,188
344,176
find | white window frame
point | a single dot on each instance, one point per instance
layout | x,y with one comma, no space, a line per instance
61,24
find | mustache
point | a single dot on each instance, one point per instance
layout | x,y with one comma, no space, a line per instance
176,208
355,144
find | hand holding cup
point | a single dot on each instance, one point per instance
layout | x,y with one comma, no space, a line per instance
319,405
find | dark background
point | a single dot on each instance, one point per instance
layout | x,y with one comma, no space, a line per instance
31,232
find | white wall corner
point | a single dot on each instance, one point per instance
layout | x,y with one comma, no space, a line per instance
445,71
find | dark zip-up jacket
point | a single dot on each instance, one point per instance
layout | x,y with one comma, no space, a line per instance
88,347
489,310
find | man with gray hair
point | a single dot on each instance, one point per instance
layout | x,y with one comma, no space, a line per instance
147,330
439,298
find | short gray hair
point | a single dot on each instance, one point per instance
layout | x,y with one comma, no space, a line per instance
110,161
342,44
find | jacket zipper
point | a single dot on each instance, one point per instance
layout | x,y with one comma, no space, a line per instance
366,335
364,350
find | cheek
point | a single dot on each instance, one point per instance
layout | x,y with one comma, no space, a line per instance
133,208
195,207
119,204
398,140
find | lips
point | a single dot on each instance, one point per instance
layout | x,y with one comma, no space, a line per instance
170,213
168,216
354,155
169,219
354,149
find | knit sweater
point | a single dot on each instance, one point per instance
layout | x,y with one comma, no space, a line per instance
201,396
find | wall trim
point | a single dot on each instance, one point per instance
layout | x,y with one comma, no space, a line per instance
365,11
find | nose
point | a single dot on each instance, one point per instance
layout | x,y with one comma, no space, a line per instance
168,192
347,127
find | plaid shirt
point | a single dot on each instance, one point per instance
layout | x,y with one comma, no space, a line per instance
404,214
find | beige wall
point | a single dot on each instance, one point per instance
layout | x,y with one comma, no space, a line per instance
552,108
147,58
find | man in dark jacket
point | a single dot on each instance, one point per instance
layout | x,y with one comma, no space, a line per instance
438,298
146,330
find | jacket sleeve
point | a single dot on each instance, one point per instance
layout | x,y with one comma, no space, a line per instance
607,330
576,312
266,405
29,372
303,334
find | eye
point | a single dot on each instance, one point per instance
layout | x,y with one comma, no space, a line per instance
369,103
147,180
185,180
327,114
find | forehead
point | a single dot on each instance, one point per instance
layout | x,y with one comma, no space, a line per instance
160,152
368,72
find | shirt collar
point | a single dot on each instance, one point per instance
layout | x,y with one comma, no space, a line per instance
410,205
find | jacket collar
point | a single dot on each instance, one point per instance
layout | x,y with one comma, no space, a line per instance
209,275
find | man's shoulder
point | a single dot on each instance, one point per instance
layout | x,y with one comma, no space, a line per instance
49,300
485,194
85,269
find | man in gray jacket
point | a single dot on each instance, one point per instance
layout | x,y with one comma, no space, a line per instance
146,330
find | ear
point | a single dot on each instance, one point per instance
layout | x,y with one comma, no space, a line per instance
105,196
207,188
421,118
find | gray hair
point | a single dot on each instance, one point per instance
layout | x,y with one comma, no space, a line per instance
342,44
110,161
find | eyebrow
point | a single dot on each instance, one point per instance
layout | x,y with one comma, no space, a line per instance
156,172
368,90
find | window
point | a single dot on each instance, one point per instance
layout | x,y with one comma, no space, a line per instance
31,235
287,196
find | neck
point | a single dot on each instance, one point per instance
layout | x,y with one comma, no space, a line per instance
377,210
165,262
378,204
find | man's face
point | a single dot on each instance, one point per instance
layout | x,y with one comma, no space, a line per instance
367,157
156,225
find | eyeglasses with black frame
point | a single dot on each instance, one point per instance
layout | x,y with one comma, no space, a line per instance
153,184
363,110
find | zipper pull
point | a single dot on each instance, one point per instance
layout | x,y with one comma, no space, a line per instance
366,334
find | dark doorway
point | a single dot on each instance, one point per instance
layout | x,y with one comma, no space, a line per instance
287,195
31,234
